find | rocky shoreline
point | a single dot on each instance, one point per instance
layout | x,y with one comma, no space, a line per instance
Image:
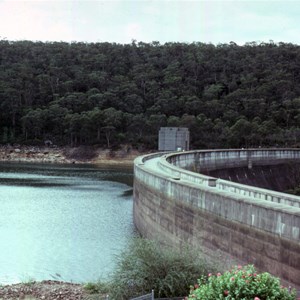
66,155
47,290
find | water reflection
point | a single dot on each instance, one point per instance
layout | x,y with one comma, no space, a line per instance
63,221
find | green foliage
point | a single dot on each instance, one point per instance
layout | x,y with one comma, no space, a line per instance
97,288
104,93
147,265
295,191
242,283
4,135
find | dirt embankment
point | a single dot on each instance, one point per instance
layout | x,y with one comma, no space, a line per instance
17,153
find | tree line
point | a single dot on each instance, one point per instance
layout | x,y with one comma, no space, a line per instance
108,94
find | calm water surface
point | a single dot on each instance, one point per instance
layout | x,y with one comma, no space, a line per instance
62,222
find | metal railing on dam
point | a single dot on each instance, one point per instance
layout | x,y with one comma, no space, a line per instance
222,218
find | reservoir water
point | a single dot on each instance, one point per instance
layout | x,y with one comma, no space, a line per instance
62,222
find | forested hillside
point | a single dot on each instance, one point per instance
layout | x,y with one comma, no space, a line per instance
109,94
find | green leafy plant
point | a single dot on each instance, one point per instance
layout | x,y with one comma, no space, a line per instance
147,265
242,283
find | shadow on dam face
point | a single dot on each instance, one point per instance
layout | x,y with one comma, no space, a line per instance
280,177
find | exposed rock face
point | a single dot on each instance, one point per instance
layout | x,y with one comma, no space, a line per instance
65,155
32,154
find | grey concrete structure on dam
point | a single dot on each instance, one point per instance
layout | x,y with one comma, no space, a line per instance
173,139
227,221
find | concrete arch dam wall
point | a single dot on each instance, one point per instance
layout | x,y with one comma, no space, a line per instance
225,220
281,177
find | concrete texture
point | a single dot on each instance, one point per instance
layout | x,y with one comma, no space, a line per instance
227,221
280,178
173,139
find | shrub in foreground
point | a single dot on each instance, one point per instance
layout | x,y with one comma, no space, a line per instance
147,265
240,283
99,287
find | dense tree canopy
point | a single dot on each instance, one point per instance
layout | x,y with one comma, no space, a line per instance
107,93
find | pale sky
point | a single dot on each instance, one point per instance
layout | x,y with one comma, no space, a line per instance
121,21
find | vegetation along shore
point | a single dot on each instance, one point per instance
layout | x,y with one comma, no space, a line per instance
108,94
169,272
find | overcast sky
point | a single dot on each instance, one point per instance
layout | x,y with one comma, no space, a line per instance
121,21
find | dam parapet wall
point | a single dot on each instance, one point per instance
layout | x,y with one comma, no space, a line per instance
204,160
250,224
179,165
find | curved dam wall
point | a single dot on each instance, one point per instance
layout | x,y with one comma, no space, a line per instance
227,221
280,177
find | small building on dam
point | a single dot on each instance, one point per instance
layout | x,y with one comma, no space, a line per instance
173,139
227,221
